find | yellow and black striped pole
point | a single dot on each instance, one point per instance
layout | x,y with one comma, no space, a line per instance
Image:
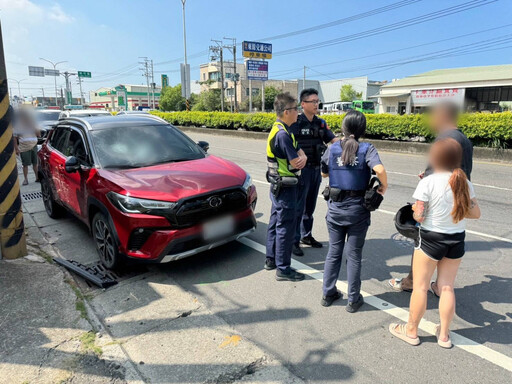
12,229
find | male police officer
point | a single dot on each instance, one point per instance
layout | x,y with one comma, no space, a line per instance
285,160
312,134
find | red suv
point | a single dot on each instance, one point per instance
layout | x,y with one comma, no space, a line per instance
144,188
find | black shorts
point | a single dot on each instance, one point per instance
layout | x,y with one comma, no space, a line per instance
438,245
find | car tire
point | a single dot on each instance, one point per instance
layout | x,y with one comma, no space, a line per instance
53,209
106,242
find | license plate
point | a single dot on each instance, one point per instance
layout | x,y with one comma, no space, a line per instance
219,228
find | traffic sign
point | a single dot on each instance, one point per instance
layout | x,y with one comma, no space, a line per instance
165,81
84,74
36,71
257,70
257,50
51,72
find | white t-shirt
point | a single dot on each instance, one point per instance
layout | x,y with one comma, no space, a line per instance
435,189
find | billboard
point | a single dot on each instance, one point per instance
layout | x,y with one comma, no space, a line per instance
51,72
36,71
165,80
426,97
257,70
256,50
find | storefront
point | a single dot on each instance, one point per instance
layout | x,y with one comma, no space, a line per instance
125,97
474,89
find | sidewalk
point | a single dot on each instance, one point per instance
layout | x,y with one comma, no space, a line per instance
145,329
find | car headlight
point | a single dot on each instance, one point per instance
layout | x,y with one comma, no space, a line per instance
247,183
134,205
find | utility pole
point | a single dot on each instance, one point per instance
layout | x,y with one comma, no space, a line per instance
187,80
54,77
152,84
218,52
304,79
232,48
42,89
262,96
145,72
68,86
81,93
12,230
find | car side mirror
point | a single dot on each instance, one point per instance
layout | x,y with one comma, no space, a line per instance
204,145
72,165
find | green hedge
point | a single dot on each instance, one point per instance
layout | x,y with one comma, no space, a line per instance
479,126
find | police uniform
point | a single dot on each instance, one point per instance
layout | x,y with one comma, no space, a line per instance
312,137
281,148
347,219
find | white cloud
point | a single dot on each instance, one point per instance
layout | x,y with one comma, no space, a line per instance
26,11
57,13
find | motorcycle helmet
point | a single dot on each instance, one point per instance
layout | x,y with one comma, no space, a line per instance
405,223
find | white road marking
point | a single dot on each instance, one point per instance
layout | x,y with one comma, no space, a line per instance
475,184
476,233
462,342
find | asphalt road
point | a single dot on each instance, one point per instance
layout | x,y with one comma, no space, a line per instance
329,345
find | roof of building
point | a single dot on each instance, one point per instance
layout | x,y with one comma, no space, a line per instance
455,75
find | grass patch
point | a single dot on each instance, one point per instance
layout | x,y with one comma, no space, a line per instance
80,304
88,340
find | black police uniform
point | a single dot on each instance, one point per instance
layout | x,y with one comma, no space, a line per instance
312,137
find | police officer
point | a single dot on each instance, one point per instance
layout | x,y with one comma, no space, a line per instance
285,160
348,164
312,134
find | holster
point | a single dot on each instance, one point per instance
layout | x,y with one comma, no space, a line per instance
372,198
326,193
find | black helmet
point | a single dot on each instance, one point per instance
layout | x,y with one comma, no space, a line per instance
405,223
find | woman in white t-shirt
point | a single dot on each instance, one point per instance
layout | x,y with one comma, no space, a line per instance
443,201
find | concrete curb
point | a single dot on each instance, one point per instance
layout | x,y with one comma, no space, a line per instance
479,153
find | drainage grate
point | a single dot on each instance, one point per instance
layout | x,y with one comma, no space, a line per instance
402,241
31,196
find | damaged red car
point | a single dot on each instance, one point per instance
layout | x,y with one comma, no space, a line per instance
144,188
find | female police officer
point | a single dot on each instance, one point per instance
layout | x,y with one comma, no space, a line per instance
348,164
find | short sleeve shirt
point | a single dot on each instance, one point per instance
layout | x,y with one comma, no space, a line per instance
436,191
284,148
372,158
467,150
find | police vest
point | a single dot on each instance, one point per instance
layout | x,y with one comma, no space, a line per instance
348,177
284,167
309,136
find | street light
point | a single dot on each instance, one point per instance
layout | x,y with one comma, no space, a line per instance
185,50
19,89
54,77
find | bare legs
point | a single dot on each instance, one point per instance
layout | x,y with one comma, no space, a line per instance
446,272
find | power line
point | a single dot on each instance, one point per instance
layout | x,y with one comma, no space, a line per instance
391,27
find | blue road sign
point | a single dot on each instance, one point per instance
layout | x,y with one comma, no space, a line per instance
257,70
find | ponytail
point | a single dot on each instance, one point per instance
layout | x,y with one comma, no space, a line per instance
354,126
350,146
461,200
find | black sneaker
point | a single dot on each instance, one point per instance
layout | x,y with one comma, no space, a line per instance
290,275
328,300
270,264
310,240
354,307
297,251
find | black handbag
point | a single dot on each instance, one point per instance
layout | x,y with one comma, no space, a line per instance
372,198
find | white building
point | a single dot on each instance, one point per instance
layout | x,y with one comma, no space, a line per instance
472,88
125,96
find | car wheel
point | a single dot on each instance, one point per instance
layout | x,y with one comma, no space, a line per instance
53,209
105,241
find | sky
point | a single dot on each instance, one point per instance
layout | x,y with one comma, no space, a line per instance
383,39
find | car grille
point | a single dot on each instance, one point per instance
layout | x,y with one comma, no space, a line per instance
196,210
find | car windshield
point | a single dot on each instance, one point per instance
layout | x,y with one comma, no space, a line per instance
142,146
367,105
47,116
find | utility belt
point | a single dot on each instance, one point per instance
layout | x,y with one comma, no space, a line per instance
338,195
372,198
277,182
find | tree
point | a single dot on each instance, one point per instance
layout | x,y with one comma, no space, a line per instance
208,101
270,95
171,99
348,93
